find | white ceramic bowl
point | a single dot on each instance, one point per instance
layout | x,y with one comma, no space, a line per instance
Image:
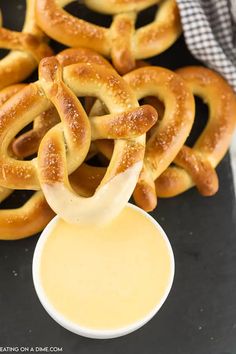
87,332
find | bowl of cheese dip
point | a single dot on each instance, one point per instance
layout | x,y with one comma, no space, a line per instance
104,281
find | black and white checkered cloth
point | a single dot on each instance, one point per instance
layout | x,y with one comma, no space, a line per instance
210,33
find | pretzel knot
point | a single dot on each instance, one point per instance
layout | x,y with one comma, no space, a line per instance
122,42
196,165
65,146
27,49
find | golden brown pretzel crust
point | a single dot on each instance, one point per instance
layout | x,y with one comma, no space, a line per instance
34,215
9,91
27,220
196,166
127,154
122,42
118,6
27,144
5,94
27,49
51,166
168,136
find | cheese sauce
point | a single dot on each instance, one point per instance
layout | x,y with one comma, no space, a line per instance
106,277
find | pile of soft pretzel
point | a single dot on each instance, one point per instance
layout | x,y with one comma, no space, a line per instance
82,110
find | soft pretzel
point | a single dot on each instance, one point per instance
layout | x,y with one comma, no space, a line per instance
196,166
168,136
127,123
122,42
34,215
27,49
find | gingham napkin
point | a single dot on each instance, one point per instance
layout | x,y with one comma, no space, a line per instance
210,33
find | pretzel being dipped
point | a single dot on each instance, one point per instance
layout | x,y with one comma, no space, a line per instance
49,170
122,42
178,119
126,121
27,49
196,165
34,215
31,217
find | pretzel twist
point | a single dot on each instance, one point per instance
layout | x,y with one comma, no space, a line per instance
31,217
196,166
122,42
55,162
27,49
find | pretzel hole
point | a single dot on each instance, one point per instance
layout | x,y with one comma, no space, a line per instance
200,121
16,22
3,53
22,131
25,129
76,8
98,160
103,153
33,76
16,200
146,16
87,103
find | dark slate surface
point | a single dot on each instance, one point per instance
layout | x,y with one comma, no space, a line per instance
199,316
